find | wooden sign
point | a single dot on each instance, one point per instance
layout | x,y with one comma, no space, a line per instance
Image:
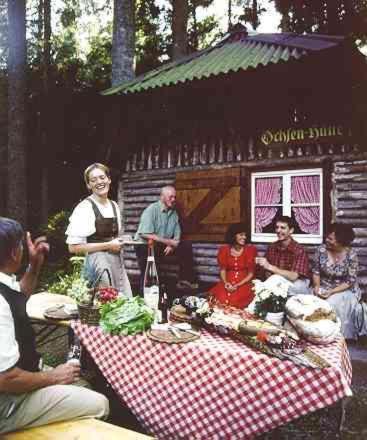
317,134
209,201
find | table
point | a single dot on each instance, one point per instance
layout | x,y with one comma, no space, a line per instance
214,387
40,302
37,305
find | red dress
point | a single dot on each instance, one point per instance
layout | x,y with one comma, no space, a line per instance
237,268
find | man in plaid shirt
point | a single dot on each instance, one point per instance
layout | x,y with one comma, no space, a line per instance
287,258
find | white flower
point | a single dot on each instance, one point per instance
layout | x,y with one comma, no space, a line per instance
258,286
203,307
264,294
280,291
79,290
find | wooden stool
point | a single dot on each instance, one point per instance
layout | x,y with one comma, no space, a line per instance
84,429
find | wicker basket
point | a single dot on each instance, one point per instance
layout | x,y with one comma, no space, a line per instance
89,313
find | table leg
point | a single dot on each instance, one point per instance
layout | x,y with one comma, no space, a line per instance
43,334
342,415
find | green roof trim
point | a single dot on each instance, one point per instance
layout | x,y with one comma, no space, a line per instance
236,52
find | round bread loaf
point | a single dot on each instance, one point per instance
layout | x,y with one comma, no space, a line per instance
308,308
313,318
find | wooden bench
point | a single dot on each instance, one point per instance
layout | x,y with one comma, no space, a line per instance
84,429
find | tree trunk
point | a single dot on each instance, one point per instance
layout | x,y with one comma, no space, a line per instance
255,19
45,140
123,68
229,15
195,39
123,41
17,61
180,15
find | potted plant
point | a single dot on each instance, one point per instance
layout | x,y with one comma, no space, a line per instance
269,303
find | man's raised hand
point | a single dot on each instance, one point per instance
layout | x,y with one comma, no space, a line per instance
37,250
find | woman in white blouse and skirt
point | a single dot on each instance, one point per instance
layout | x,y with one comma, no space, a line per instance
93,230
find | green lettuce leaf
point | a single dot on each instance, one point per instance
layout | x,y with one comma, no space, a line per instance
126,316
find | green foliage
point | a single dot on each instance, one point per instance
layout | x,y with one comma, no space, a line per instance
55,233
336,17
203,33
96,71
53,359
252,11
150,45
60,270
65,279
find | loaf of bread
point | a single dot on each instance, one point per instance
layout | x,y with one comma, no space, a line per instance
309,308
313,318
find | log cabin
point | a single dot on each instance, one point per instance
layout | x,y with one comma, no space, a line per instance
254,126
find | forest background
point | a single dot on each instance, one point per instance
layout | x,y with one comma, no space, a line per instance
56,56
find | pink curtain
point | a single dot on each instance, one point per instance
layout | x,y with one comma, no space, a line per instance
306,189
267,192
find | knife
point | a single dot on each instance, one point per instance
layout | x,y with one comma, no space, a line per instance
175,332
192,332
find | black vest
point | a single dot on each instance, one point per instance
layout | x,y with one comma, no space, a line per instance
24,334
106,228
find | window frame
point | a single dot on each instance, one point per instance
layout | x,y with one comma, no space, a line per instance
286,176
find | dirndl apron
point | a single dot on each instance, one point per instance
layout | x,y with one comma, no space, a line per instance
97,262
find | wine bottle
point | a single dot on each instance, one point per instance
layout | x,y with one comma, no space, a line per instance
74,353
163,304
151,282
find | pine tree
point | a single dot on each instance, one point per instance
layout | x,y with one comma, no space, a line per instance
17,63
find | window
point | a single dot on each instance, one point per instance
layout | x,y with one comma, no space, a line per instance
296,193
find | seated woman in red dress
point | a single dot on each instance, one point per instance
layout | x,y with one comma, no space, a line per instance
237,268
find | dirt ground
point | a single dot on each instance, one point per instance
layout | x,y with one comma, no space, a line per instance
324,424
321,425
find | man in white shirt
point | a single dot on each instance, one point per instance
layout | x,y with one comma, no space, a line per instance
29,397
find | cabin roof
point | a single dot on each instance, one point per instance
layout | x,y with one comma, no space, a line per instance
238,51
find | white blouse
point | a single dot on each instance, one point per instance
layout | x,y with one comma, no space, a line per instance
9,353
82,221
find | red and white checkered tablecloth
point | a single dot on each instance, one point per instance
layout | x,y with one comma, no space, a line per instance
214,387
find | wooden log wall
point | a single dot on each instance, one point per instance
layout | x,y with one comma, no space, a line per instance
148,170
350,206
230,151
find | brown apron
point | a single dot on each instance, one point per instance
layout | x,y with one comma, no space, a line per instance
96,262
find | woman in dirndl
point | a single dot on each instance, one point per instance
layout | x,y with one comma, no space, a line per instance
94,229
